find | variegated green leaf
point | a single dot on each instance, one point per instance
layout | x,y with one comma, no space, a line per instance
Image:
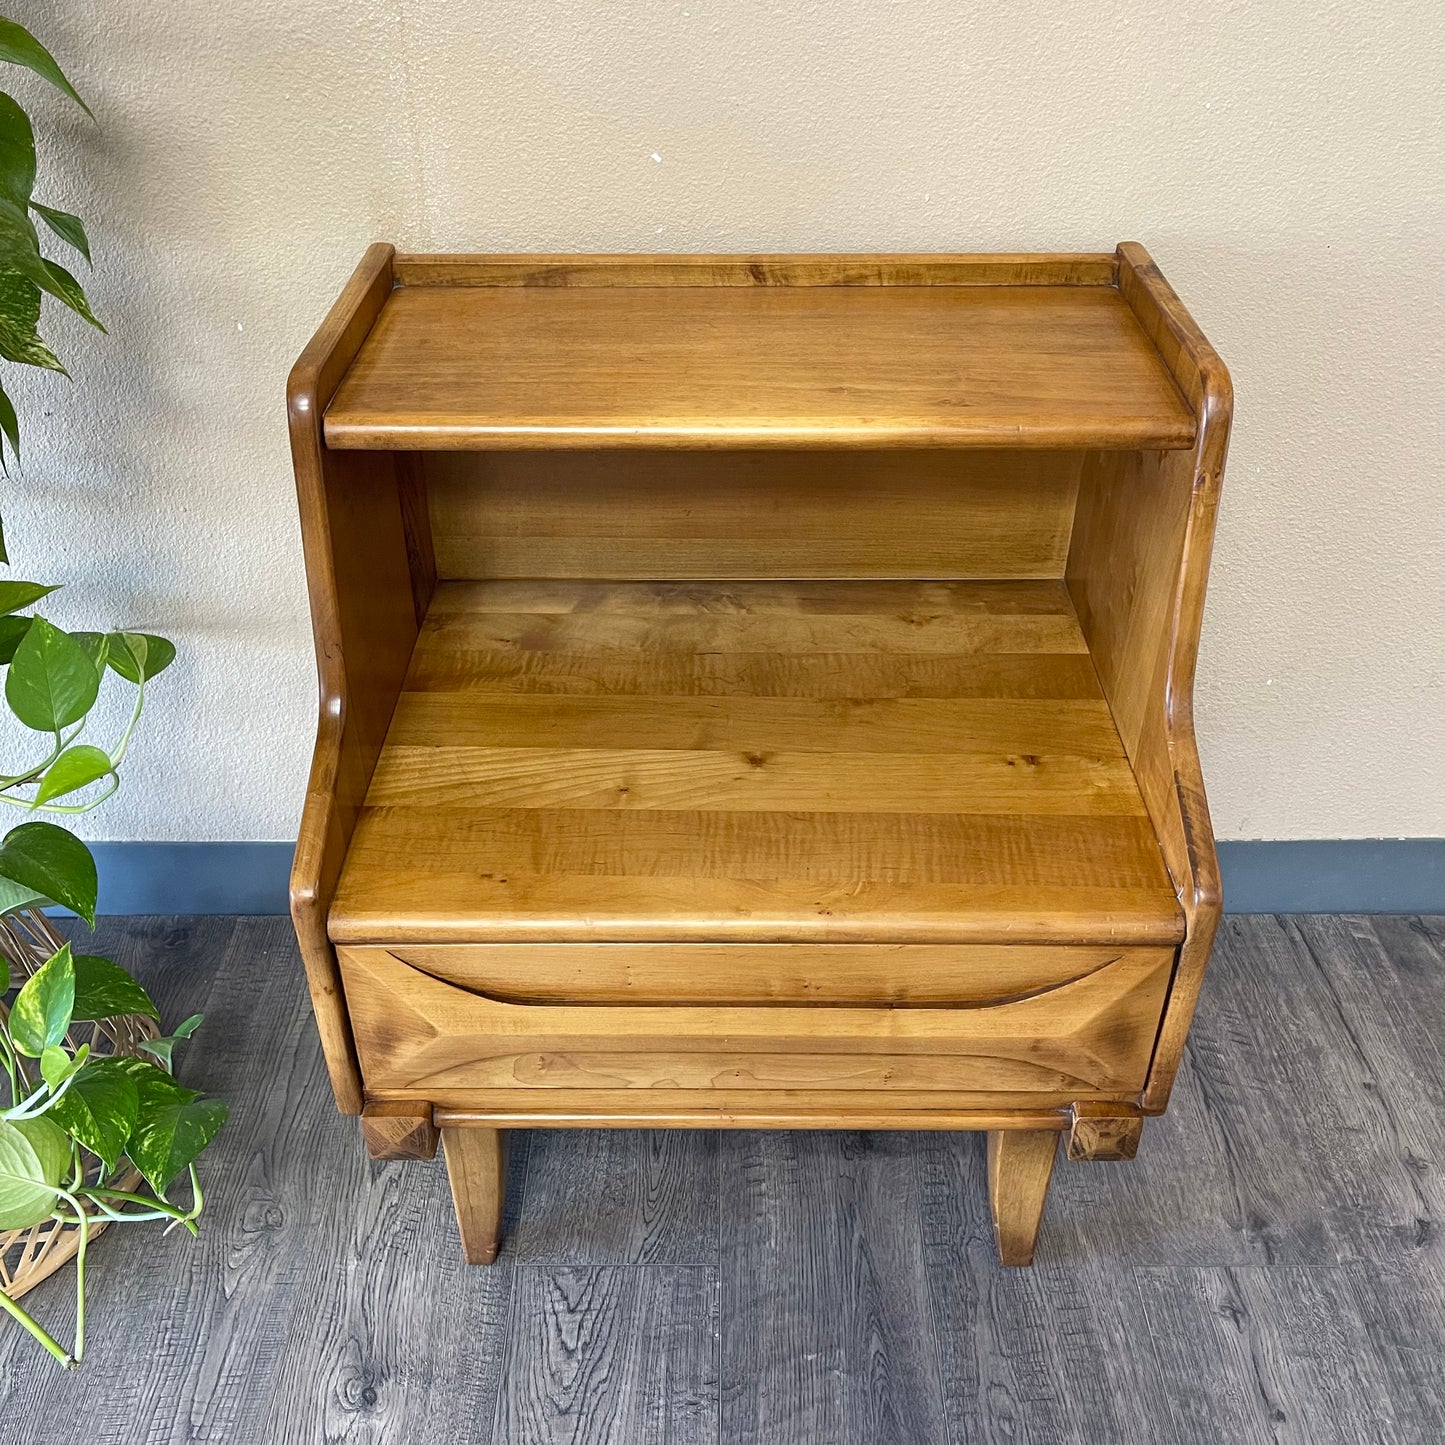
19,317
70,229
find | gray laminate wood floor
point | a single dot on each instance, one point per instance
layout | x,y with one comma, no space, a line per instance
1270,1269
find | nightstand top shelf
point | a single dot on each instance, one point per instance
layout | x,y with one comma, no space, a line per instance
930,351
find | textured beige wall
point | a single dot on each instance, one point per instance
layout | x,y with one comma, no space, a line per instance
1283,161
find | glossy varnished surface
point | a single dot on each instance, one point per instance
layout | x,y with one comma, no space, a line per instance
1137,571
826,268
751,514
360,587
898,975
569,365
1269,1271
770,762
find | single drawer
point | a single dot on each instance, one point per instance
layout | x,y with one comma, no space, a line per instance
415,1032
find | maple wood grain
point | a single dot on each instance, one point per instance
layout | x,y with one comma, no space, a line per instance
1137,572
364,623
1033,268
898,975
477,1170
448,368
1020,1165
496,816
1090,1036
751,514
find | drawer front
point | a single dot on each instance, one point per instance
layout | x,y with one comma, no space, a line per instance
418,1033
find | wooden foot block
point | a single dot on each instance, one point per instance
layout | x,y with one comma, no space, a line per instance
399,1131
1020,1165
1104,1132
477,1168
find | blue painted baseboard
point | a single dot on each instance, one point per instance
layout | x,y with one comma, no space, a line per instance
193,877
1335,875
1346,875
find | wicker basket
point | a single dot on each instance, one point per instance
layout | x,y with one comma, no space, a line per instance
27,1256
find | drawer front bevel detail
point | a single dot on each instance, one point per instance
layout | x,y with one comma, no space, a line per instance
904,975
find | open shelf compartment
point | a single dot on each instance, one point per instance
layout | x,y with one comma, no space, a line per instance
776,761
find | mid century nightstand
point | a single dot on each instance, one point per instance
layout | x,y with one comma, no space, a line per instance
756,693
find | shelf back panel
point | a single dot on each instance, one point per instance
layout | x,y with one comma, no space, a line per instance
720,515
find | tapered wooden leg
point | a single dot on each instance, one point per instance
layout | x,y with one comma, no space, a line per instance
477,1168
1020,1165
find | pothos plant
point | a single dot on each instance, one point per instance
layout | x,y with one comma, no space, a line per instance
71,1124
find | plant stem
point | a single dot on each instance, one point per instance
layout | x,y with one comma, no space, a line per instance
27,1109
23,1110
158,1206
33,773
82,1223
80,1287
66,808
140,697
123,1216
7,1056
12,1308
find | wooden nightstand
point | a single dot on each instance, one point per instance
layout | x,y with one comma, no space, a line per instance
755,693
